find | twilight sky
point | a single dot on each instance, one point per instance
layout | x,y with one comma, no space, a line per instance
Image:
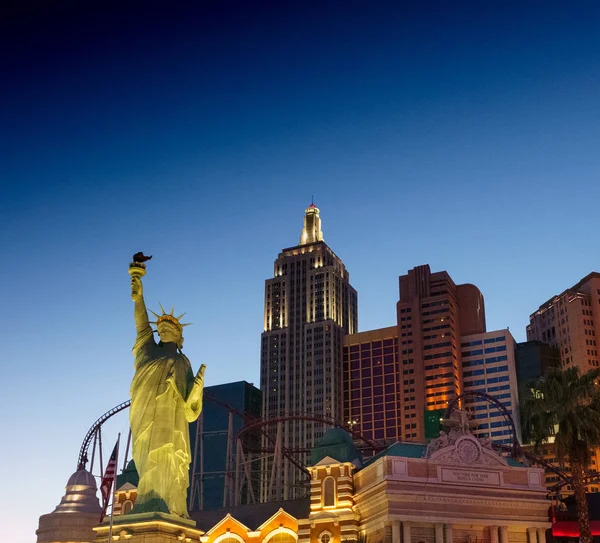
463,135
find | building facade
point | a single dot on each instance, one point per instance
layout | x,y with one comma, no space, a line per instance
212,438
488,362
372,382
309,307
570,321
532,359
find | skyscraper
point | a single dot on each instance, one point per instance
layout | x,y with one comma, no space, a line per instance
571,322
309,307
433,314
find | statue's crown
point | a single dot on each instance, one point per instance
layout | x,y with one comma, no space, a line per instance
170,317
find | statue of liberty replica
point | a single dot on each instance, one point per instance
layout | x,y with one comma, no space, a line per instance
165,398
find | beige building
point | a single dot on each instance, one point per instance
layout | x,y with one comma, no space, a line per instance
571,322
309,307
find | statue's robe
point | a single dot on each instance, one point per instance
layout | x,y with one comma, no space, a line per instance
159,418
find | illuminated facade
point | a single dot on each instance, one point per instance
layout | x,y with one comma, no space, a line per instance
488,362
570,321
309,307
458,490
433,313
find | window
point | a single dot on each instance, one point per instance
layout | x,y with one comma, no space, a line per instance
282,537
230,540
127,507
329,492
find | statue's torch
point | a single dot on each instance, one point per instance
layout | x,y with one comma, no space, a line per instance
137,269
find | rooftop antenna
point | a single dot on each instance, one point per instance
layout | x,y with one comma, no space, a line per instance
312,199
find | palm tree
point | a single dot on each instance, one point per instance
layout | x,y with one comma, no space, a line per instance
565,405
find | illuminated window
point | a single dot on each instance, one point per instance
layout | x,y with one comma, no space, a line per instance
325,537
282,537
329,493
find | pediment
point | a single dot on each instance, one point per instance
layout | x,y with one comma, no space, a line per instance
226,518
280,512
324,515
327,461
467,451
127,486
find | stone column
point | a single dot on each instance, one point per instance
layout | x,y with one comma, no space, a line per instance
541,533
503,534
439,533
449,534
493,534
532,535
396,532
406,532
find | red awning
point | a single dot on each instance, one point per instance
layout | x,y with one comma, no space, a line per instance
570,528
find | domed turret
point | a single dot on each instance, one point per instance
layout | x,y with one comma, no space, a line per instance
77,513
337,444
80,495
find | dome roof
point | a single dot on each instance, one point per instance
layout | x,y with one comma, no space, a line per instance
82,478
337,444
80,494
335,436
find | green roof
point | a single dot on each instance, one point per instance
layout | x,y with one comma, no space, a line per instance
128,475
513,462
335,436
337,444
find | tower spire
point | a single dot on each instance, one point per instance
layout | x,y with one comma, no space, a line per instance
311,232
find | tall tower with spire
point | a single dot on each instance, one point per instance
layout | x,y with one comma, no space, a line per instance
309,307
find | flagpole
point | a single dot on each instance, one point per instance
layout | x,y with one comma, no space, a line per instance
113,488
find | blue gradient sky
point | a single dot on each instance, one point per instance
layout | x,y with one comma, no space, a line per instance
459,135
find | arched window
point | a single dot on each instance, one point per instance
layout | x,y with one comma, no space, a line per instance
229,540
282,537
127,507
229,537
329,492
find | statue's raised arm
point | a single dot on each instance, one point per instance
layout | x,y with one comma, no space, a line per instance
137,269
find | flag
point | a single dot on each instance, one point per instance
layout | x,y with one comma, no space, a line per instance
108,479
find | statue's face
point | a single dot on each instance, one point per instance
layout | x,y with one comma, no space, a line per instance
168,333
